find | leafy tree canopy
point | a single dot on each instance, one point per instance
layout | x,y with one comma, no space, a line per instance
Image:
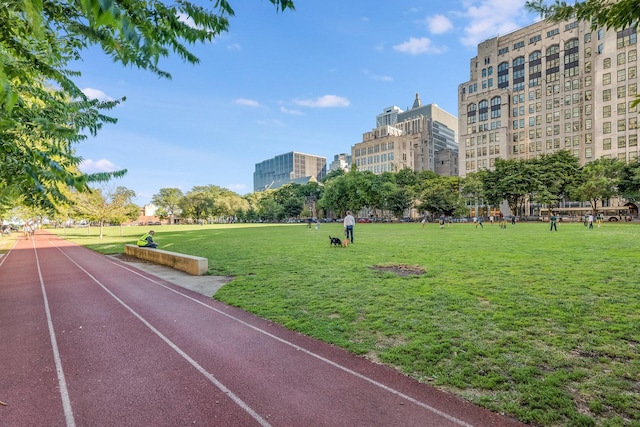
42,111
601,13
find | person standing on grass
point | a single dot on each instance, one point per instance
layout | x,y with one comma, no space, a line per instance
590,220
553,221
146,241
349,222
599,219
479,222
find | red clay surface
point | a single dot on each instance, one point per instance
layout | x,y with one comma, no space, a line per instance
89,341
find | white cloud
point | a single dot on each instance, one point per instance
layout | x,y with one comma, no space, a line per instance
326,101
234,46
490,18
96,94
292,112
439,24
102,165
247,102
416,46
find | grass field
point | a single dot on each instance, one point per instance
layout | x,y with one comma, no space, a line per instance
543,326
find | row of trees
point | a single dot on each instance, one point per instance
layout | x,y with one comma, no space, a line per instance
545,181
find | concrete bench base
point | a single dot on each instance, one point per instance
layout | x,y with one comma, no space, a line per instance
194,265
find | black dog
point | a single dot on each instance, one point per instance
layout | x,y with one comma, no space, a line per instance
335,241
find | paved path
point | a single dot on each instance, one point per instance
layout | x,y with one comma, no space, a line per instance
87,340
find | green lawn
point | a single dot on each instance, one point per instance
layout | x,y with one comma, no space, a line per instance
541,326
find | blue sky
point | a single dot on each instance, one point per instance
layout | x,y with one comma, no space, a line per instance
310,80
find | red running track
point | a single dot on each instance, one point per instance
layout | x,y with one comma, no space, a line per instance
86,340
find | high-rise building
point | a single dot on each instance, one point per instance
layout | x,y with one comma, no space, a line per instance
289,167
549,87
341,161
421,138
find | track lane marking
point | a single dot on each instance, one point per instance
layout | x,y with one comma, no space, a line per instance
288,343
62,383
173,346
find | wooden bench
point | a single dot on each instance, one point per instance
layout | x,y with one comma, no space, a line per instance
194,265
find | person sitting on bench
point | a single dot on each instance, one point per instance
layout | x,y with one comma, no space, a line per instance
146,241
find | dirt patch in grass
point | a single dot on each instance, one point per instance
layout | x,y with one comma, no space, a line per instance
400,269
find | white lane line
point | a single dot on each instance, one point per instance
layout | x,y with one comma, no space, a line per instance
4,257
177,349
308,352
62,383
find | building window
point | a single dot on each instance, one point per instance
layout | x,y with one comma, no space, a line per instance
606,127
606,95
626,37
588,152
622,142
606,144
633,55
622,108
606,78
606,111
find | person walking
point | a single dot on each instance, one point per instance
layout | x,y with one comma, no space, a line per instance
479,222
349,222
590,220
553,221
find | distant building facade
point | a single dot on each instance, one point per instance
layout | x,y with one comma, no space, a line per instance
550,87
422,138
289,167
341,161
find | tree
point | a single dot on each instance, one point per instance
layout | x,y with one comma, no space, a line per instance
398,200
169,200
511,180
598,181
42,111
555,174
472,189
601,13
269,209
105,205
629,185
441,196
198,204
